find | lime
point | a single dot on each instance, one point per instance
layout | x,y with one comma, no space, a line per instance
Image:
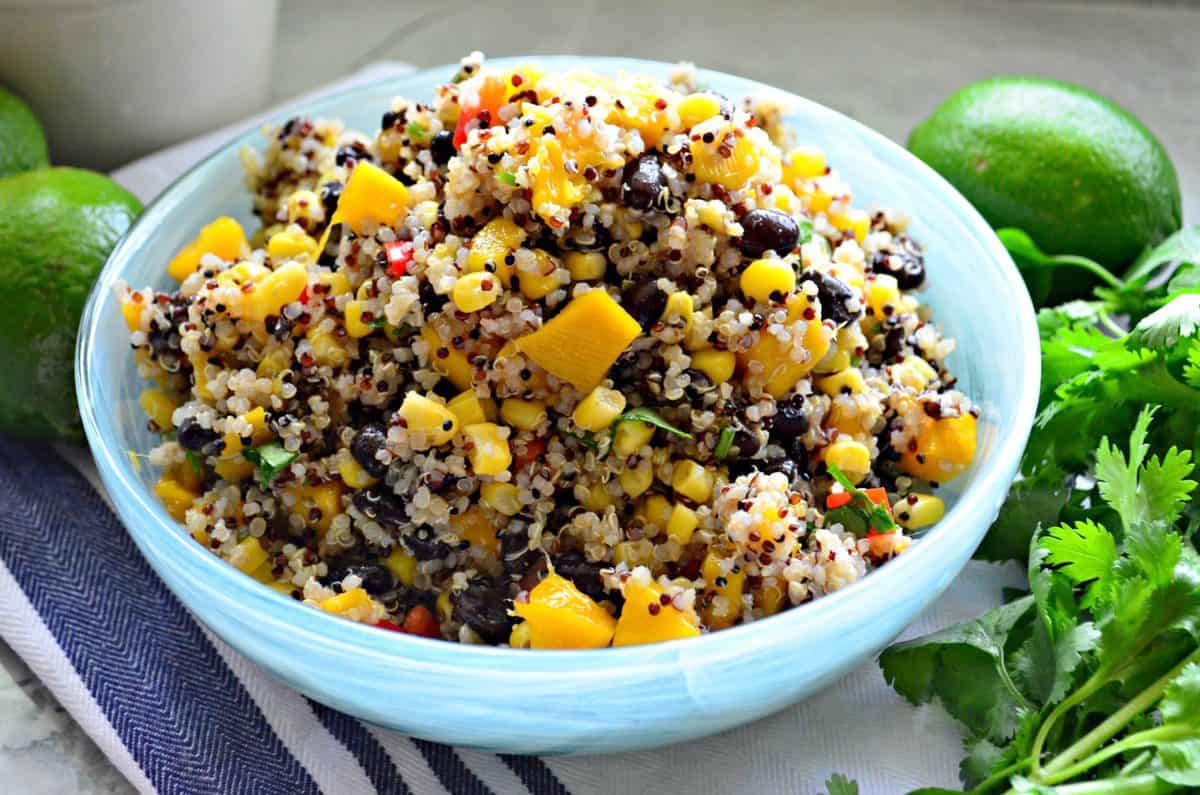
22,142
1078,173
57,226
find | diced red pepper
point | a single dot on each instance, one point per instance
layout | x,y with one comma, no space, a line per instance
419,621
534,449
303,295
388,625
838,499
490,99
399,254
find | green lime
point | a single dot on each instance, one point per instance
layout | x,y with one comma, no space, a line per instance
57,226
22,142
1077,172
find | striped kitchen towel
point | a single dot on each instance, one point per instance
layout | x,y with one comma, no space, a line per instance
178,711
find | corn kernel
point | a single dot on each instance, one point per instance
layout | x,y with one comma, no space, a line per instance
325,497
919,510
175,497
636,480
467,407
445,608
475,291
768,280
586,266
847,382
402,565
355,326
425,416
851,457
542,279
501,498
158,407
728,586
291,243
679,307
327,348
248,555
695,108
276,290
448,360
717,365
631,436
682,523
857,222
771,596
489,452
353,475
597,498
692,481
805,162
599,410
519,637
525,415
337,282
351,599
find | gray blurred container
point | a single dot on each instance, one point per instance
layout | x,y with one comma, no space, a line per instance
114,79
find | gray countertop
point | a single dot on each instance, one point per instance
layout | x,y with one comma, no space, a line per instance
885,63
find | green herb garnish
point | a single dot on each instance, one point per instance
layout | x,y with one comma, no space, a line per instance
271,459
860,515
837,784
806,232
194,460
652,417
508,178
415,131
725,442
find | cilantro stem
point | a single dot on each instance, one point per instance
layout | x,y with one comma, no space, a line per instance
1111,725
1147,737
1148,784
1000,777
1138,761
1091,266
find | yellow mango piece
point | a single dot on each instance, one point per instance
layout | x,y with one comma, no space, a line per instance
131,311
779,372
730,172
224,237
804,162
555,191
560,616
725,609
347,601
175,497
427,416
473,526
325,497
158,407
489,451
353,475
945,448
249,556
583,341
372,197
695,108
448,360
645,619
467,407
275,291
491,246
542,280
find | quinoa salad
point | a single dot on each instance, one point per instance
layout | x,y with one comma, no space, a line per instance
550,360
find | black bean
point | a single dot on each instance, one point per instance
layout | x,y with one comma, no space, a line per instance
442,147
369,440
423,543
330,193
376,579
379,503
644,186
389,120
192,436
790,421
356,152
483,606
431,302
833,294
907,264
516,555
747,443
585,574
445,389
768,230
645,302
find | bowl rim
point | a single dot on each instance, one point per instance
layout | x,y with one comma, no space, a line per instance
229,584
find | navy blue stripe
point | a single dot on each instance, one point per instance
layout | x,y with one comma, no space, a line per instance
174,703
534,774
372,757
450,769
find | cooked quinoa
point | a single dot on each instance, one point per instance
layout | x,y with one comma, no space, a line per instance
555,360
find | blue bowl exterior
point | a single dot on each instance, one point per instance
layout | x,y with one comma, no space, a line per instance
594,701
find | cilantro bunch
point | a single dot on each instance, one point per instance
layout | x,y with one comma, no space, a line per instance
1090,681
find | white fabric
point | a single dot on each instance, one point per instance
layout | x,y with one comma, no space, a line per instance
858,727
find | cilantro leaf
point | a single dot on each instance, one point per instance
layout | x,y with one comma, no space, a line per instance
415,131
1165,486
271,459
1034,501
837,784
1085,552
964,667
1191,370
1183,246
508,178
1165,327
652,417
806,232
874,517
1181,700
1117,475
194,460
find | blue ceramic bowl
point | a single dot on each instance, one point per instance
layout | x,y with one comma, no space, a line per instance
583,701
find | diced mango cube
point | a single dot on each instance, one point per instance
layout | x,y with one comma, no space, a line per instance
583,341
467,407
474,527
402,565
730,172
489,451
645,619
448,360
175,497
554,191
945,447
372,197
492,245
770,362
723,597
158,407
560,616
224,237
